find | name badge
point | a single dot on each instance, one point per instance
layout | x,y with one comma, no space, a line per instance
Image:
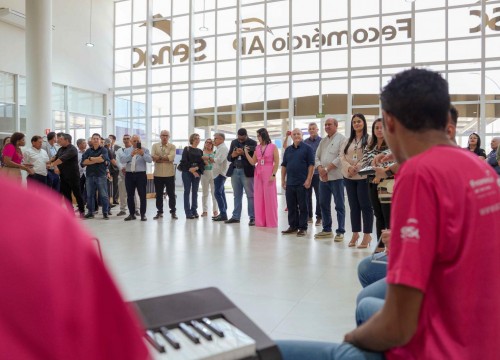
355,157
239,157
262,162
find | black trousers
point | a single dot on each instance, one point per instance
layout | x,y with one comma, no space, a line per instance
83,191
72,185
315,187
382,211
296,201
114,187
136,181
160,184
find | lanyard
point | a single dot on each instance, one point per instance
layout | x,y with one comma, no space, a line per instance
263,152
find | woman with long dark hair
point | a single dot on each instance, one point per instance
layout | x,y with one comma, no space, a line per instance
376,145
207,179
357,185
474,145
12,157
266,159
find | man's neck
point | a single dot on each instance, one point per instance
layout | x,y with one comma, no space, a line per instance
413,144
95,147
162,144
333,134
296,144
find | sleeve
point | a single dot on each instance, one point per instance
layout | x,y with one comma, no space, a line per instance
125,158
337,161
9,150
201,163
85,156
284,162
343,155
414,231
231,148
317,161
171,154
147,156
69,154
106,155
367,156
482,153
498,154
310,156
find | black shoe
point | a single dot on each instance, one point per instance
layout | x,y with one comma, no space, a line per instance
105,217
191,217
130,217
158,215
196,216
174,216
144,218
219,218
121,213
290,230
252,222
301,233
89,216
137,213
112,205
232,221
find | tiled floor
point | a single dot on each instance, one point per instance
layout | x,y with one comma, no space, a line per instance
293,288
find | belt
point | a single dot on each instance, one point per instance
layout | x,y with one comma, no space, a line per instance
136,172
239,167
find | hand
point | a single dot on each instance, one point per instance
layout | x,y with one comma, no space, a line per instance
156,158
351,171
246,149
323,178
283,185
140,152
288,133
386,238
56,170
239,151
322,171
349,337
307,184
272,178
380,173
124,171
204,157
30,170
376,180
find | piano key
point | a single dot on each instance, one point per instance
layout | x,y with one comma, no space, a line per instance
201,329
189,333
170,338
151,338
213,327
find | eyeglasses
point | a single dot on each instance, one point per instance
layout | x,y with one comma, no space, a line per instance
165,135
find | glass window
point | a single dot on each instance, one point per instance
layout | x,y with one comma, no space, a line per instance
180,26
204,24
492,82
139,127
160,76
396,54
333,9
181,7
85,102
429,52
139,7
204,100
58,97
7,118
252,97
123,12
124,59
160,103
304,11
430,25
139,35
336,59
277,64
390,6
277,14
464,49
336,35
122,107
162,7
122,127
464,83
226,21
429,4
364,7
180,73
122,79
365,57
59,121
305,62
180,102
226,99
492,48
180,128
225,49
252,67
123,36
21,82
6,87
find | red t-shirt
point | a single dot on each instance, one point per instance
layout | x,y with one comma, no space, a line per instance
445,242
57,299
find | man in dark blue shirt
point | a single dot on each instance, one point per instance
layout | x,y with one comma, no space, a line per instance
297,170
96,160
492,156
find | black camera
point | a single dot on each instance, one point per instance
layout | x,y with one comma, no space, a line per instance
139,145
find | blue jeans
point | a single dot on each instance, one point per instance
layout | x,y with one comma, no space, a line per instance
326,190
239,182
99,183
316,350
191,185
369,272
220,194
359,203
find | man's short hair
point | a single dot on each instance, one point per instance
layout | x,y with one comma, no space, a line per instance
79,141
242,132
112,137
96,134
60,134
35,138
51,135
312,124
418,98
454,115
67,137
220,135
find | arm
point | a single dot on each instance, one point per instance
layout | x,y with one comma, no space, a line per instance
394,325
171,154
276,159
283,176
232,153
310,172
146,156
285,140
251,159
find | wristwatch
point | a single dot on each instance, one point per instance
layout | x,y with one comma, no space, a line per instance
388,172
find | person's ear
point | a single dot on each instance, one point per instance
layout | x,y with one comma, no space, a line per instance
389,122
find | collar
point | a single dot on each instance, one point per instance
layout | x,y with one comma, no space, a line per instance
298,145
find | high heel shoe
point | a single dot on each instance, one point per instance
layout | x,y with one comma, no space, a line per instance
354,240
367,240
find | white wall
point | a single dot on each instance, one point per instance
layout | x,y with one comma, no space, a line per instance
73,63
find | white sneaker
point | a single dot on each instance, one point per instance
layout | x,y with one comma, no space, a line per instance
323,235
339,237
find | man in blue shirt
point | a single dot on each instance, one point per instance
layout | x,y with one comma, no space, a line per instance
492,156
296,174
313,141
96,161
136,158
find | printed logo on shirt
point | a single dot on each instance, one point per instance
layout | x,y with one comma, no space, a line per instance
410,232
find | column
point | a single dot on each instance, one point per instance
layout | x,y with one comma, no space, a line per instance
38,66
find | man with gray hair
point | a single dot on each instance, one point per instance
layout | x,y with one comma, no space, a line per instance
492,156
136,158
163,154
331,180
219,173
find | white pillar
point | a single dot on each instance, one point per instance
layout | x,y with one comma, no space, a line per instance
38,67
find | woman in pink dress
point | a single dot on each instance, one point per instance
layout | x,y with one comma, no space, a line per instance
12,157
266,161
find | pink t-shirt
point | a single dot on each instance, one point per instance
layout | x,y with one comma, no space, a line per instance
58,301
446,242
10,151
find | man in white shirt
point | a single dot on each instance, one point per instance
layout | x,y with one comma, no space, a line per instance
81,144
331,180
219,173
122,191
37,158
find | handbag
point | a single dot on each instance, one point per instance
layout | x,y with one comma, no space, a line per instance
183,165
385,189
